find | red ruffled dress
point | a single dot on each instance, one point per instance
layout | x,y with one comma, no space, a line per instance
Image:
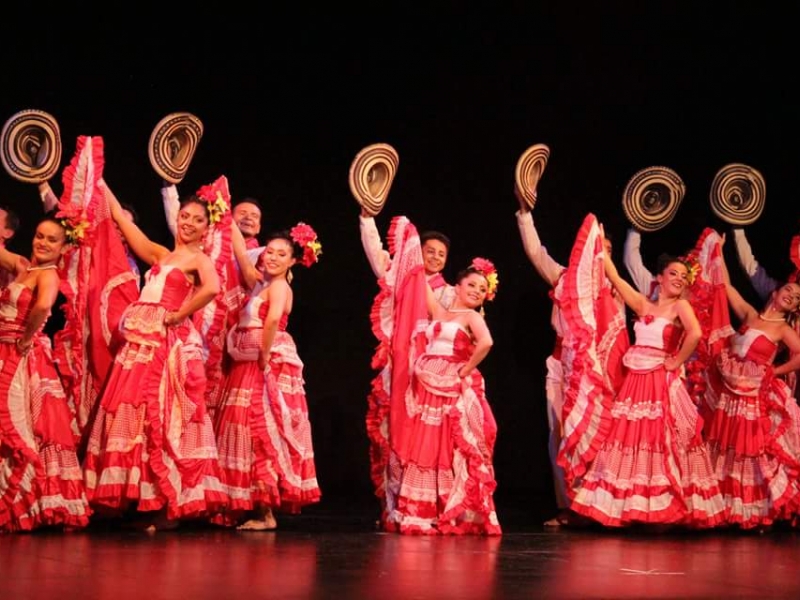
444,446
652,466
152,441
752,434
41,482
262,427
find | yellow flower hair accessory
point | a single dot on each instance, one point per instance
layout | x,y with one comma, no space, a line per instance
217,208
216,197
692,266
75,222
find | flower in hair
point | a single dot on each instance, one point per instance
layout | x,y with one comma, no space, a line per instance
217,198
305,236
217,208
75,222
487,269
693,267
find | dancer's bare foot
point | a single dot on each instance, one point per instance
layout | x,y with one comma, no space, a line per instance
553,523
160,522
266,522
567,518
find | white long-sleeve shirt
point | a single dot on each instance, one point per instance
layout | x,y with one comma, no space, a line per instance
762,282
49,199
379,260
377,257
642,278
548,268
172,204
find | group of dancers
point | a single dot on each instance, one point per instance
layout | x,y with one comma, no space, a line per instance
183,398
693,424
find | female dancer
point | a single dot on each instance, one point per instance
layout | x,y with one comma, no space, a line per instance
651,466
152,442
41,482
263,431
752,432
443,438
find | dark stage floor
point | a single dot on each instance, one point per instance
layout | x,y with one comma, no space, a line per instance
334,552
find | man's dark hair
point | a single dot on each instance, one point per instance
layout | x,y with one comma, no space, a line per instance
249,200
435,235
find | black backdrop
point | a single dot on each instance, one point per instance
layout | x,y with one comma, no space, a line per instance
288,101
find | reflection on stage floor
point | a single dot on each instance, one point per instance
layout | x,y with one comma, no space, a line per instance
328,555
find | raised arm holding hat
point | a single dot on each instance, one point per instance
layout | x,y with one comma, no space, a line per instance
650,201
738,196
152,429
530,167
371,175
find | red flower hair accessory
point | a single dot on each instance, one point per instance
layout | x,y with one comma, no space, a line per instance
75,221
305,236
487,269
217,197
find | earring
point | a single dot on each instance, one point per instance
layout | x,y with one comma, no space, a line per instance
483,314
289,276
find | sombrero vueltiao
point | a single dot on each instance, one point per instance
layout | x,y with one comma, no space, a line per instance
173,143
371,174
31,146
737,194
530,167
652,197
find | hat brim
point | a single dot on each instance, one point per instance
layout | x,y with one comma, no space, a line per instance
652,197
173,143
371,175
31,146
530,166
738,194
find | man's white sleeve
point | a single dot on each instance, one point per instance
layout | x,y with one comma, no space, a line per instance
49,198
632,257
169,193
548,268
373,247
763,283
254,253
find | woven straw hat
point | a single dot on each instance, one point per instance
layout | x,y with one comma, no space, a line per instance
173,143
371,176
738,193
652,197
530,166
31,146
